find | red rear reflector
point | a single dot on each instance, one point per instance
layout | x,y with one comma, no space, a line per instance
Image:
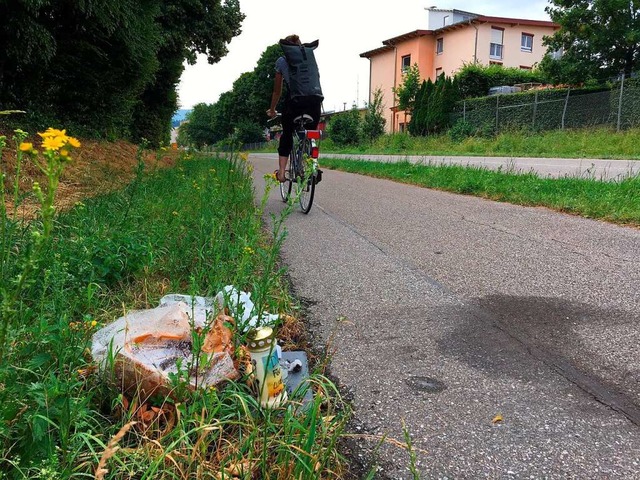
315,152
315,134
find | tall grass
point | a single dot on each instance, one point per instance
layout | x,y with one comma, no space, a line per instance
578,143
190,230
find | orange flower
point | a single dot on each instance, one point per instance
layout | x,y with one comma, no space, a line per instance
26,147
73,142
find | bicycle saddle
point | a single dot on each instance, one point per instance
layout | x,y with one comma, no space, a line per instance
303,118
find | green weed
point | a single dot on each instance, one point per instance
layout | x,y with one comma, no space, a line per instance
192,229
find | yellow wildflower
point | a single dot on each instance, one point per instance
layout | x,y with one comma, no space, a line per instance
26,147
52,143
73,142
94,323
64,153
249,250
54,132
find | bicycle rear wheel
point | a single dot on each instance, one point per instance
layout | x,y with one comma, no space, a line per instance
285,187
306,181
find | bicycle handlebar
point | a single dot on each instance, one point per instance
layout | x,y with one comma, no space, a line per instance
275,117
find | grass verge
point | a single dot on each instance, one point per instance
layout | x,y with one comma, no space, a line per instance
578,143
617,202
192,229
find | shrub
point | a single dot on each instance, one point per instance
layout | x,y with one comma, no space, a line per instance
461,130
344,128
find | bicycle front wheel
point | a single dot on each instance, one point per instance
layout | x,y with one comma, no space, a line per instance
306,181
285,187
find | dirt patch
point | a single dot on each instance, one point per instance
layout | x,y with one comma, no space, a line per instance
97,167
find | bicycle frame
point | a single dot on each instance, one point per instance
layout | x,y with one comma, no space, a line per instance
303,167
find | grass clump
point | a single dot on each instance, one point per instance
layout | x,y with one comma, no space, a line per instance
615,201
192,229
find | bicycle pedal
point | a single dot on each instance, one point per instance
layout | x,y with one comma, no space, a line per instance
318,176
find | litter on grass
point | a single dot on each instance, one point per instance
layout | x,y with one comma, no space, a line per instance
147,349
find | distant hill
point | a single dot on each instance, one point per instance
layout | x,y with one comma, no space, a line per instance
179,116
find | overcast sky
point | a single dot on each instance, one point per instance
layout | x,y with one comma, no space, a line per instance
345,29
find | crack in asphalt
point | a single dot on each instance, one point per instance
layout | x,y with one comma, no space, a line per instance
597,389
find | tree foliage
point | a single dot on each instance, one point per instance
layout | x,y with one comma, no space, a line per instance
406,92
106,68
199,125
433,106
240,112
374,121
475,80
345,127
600,38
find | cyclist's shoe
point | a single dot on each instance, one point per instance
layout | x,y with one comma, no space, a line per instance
282,178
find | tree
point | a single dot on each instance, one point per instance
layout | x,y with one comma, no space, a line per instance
602,36
107,68
245,102
189,27
247,131
407,90
265,73
567,70
81,64
198,128
374,121
433,106
241,111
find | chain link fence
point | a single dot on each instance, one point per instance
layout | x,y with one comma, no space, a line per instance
617,106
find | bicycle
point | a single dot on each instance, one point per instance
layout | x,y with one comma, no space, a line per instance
302,168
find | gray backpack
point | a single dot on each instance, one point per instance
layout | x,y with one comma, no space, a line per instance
304,77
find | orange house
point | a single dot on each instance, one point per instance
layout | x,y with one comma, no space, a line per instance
454,38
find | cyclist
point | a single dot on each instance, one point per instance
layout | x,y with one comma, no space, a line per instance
297,68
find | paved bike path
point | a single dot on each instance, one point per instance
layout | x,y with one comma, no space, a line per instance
444,311
546,167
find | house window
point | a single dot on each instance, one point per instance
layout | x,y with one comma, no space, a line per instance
524,67
438,72
406,63
445,21
402,127
495,49
526,42
439,46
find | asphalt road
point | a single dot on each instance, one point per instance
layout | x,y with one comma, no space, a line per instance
445,311
545,167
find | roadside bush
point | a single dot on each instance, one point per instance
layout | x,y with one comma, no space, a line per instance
345,128
249,132
461,130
